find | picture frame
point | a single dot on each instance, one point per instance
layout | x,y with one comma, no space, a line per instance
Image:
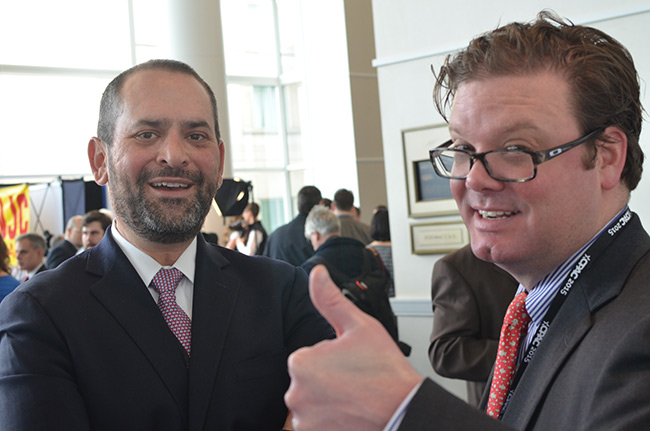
428,194
438,237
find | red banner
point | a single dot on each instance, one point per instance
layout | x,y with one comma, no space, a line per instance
14,215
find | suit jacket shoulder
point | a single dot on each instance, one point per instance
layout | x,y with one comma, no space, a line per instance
62,251
352,228
288,242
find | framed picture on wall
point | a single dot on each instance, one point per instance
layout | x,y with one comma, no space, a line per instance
428,194
439,237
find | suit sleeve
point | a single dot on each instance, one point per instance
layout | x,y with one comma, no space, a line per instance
434,409
37,386
457,348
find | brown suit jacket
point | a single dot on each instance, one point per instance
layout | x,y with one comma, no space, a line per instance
469,300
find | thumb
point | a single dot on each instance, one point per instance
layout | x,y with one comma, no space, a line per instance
341,313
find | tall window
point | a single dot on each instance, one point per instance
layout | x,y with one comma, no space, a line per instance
266,100
56,57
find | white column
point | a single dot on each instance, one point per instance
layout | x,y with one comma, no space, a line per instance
195,37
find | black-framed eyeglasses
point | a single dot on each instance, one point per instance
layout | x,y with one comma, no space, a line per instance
511,165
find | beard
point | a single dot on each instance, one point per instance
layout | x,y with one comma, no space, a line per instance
166,220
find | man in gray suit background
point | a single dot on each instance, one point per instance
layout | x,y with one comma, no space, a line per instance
545,122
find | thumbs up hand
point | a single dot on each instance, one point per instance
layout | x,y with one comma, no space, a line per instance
355,381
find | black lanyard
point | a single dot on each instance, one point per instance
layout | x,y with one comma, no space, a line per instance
583,262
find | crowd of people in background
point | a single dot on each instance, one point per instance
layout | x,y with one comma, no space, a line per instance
288,241
246,235
34,254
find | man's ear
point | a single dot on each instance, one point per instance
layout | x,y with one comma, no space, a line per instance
98,158
611,157
222,153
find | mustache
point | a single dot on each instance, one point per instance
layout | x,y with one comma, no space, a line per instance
194,176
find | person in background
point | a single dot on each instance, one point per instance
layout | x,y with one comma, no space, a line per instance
72,241
7,282
154,328
380,233
326,202
288,241
343,207
469,299
347,260
545,119
30,251
54,241
323,230
93,228
356,213
251,238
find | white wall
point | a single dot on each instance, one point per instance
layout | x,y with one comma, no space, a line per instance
410,36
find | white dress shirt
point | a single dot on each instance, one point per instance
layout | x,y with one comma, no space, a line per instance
147,268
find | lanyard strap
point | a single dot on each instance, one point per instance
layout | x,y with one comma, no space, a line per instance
601,243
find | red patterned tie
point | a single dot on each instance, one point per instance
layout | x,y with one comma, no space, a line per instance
165,282
514,328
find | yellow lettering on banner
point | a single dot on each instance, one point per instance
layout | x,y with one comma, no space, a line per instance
14,215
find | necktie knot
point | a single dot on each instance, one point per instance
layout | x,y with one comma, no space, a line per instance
167,279
515,327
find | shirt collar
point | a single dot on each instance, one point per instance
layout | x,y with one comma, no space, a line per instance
33,273
147,267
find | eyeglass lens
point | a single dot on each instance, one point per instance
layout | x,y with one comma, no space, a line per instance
507,165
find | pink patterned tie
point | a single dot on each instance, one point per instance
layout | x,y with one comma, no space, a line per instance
514,328
165,282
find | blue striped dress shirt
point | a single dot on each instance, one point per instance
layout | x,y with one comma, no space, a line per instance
541,296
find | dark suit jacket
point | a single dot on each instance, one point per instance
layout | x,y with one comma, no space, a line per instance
41,269
591,372
288,242
469,299
344,254
60,253
84,346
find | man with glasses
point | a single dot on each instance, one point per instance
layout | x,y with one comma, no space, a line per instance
545,121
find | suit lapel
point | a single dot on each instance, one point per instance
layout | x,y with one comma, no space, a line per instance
122,293
598,285
215,294
564,334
